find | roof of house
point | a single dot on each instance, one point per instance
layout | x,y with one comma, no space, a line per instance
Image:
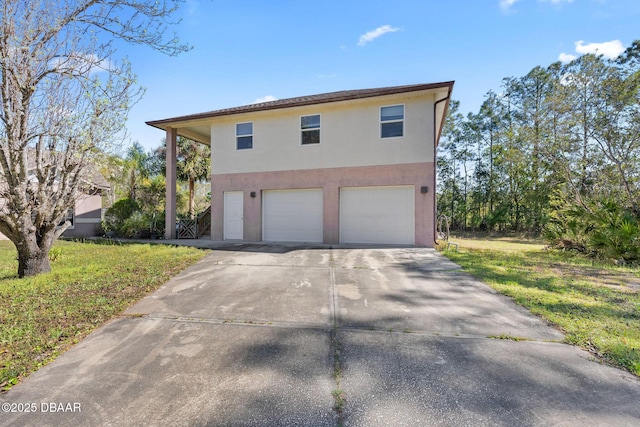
343,95
191,125
92,176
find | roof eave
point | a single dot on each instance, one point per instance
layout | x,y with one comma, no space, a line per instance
299,102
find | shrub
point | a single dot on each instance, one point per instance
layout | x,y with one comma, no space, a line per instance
117,214
616,232
136,225
603,229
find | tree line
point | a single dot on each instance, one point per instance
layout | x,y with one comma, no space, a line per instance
555,152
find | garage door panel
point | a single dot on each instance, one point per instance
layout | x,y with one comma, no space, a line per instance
292,215
384,215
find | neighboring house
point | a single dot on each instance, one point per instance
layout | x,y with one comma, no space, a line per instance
85,217
354,166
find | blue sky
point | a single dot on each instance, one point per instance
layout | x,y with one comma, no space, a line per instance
245,51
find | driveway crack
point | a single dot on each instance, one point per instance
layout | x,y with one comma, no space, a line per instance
332,327
339,395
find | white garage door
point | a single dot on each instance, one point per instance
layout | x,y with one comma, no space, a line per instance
377,215
292,215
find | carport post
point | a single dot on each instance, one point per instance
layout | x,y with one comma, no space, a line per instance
170,203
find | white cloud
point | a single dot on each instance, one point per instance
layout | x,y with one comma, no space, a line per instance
374,34
82,63
99,65
326,76
506,4
566,57
267,98
193,7
610,50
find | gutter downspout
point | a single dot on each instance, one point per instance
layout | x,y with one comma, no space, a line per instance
436,138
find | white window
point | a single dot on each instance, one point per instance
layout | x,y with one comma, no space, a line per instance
244,136
392,121
310,129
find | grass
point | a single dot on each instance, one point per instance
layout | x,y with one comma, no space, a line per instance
595,303
42,316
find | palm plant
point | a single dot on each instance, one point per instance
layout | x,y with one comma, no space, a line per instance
193,163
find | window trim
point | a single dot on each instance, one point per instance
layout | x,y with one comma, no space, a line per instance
244,136
319,128
402,120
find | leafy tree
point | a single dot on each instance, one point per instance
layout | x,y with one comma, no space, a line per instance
616,132
136,169
448,170
193,164
532,94
488,119
63,97
582,79
110,167
151,198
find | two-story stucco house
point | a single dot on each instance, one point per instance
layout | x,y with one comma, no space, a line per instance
354,166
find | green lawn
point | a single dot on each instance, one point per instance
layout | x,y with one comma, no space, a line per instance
596,304
42,316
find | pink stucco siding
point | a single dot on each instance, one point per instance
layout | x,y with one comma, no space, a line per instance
330,180
87,215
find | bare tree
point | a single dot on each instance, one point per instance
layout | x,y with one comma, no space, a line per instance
64,98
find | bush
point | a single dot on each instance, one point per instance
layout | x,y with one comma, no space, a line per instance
602,229
127,219
137,225
616,233
117,214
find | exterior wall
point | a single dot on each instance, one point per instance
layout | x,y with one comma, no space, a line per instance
330,180
87,215
350,154
349,136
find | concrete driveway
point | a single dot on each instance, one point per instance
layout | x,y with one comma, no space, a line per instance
263,335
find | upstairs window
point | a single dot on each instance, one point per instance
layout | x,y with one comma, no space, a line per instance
392,121
244,136
310,129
